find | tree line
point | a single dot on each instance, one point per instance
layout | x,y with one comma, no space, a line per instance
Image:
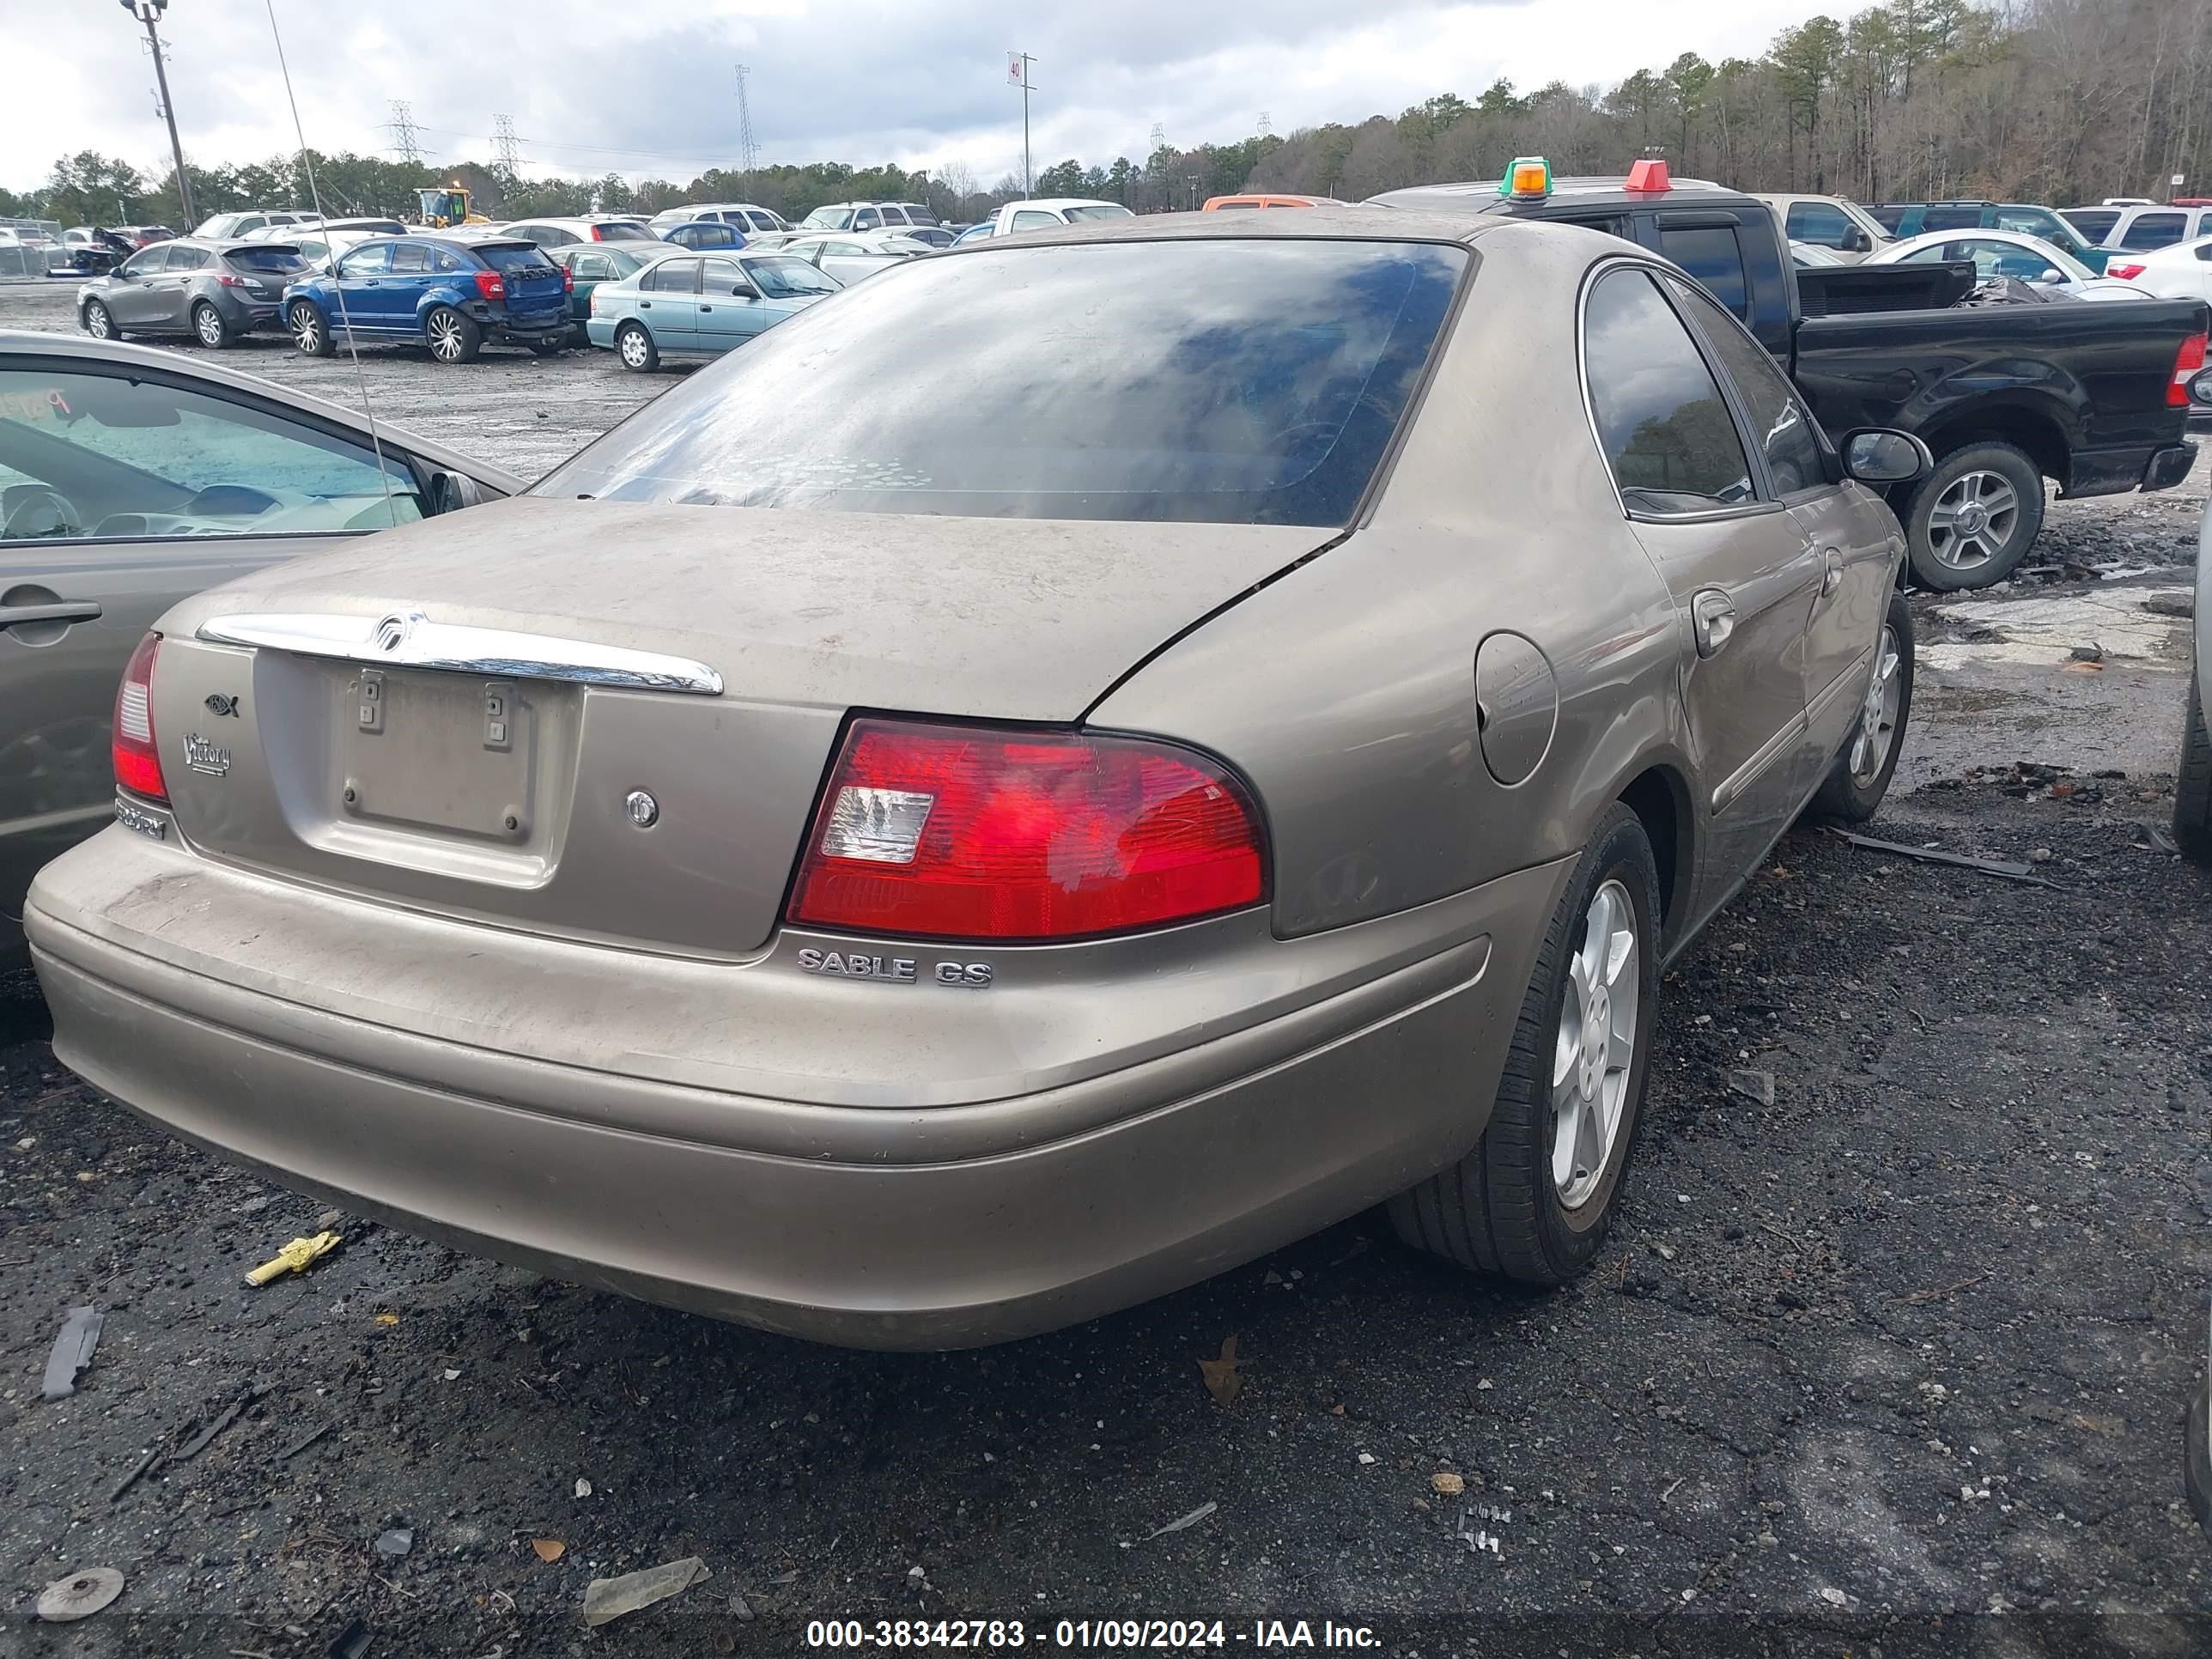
2047,100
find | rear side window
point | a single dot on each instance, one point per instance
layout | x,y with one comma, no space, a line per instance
1104,210
1780,423
447,262
758,220
186,259
919,216
1710,253
1665,429
1215,381
1030,219
2150,230
671,276
1889,218
1952,218
2094,223
1819,223
409,259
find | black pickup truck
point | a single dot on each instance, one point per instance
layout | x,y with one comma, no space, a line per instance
2091,394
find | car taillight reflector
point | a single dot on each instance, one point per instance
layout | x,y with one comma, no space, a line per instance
567,280
2124,273
2186,363
138,759
488,285
969,833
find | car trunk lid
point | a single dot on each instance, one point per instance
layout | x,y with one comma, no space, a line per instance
610,721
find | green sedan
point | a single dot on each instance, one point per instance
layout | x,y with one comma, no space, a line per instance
590,263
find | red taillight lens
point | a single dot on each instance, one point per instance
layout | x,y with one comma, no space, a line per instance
2124,273
488,285
137,760
567,280
961,833
599,232
2186,363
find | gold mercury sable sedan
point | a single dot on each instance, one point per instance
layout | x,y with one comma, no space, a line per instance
912,867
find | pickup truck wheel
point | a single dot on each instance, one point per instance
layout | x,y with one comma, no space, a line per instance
2192,785
1973,521
1534,1198
1854,785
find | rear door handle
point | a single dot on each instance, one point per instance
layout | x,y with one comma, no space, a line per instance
68,611
1712,620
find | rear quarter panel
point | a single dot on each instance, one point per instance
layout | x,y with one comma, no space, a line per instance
1346,691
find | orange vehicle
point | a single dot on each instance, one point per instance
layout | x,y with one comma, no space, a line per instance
1216,204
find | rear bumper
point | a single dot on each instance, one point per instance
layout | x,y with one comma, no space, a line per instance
921,1227
600,330
2116,472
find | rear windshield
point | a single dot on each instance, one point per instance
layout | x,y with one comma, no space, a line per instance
1219,381
1105,210
277,260
625,230
517,258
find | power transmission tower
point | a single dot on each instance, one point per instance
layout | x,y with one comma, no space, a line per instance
748,147
405,137
1267,126
1160,137
506,147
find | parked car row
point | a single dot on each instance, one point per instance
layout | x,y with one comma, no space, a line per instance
553,863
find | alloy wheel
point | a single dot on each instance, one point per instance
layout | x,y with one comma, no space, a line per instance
1596,1047
306,328
445,337
1973,519
1877,731
97,322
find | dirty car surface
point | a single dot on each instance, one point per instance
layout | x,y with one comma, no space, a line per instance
1003,861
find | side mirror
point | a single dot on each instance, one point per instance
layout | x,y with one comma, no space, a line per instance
451,491
1858,241
743,291
1879,455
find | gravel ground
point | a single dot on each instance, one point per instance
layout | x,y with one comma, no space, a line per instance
1893,1363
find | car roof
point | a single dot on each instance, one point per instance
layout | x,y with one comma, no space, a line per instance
1575,193
1356,221
1062,202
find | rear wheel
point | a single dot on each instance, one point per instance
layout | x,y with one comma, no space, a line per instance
99,322
635,347
452,336
309,331
1854,785
2192,785
1534,1199
209,327
1972,522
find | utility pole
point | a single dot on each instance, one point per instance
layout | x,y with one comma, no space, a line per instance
149,12
747,147
1017,75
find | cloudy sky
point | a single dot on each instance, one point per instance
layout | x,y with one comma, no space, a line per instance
647,86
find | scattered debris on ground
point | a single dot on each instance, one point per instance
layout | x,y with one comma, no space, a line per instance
608,1599
79,1596
72,1353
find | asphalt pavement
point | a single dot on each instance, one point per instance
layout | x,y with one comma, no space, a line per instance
1892,1363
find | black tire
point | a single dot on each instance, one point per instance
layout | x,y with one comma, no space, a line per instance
210,327
1500,1209
454,337
311,330
1849,795
1949,560
99,321
2192,783
635,346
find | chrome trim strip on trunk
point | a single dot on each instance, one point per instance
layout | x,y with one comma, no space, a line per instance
408,639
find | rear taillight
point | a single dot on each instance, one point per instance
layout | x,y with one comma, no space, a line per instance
599,232
224,279
567,280
488,285
2186,363
2124,273
137,760
965,833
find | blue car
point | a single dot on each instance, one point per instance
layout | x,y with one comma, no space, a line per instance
706,306
456,293
702,235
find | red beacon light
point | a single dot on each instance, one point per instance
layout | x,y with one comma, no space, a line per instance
1649,174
